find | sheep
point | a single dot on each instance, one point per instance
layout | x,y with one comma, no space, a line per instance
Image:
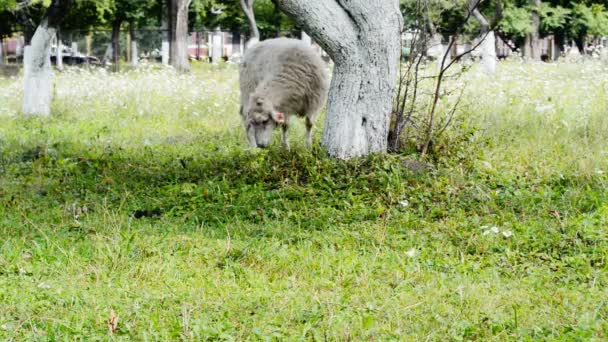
280,78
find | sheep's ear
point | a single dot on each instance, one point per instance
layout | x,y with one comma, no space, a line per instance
280,118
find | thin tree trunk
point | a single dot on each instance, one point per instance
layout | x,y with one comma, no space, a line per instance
134,53
116,24
89,43
247,7
59,52
532,48
166,27
1,51
217,46
38,73
179,35
363,39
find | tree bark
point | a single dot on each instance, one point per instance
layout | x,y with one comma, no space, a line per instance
247,7
179,35
166,28
59,52
38,73
217,46
488,44
1,51
532,49
363,39
133,36
116,24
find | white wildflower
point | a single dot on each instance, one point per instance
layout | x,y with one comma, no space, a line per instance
44,286
412,253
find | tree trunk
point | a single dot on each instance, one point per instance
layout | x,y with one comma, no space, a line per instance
1,51
38,73
166,28
116,43
134,54
59,52
488,44
363,38
247,7
532,48
217,46
179,35
89,43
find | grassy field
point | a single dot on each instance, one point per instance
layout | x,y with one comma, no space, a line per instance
137,198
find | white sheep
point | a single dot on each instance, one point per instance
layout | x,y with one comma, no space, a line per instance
280,78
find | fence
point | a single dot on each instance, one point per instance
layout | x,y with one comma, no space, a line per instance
148,45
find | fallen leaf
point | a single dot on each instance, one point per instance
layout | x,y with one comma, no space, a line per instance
555,214
112,322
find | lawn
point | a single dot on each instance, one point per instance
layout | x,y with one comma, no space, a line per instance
137,199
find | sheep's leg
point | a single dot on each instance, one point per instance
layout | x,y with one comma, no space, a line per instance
285,140
309,127
251,137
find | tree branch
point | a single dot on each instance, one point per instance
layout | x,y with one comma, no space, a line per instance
247,6
327,22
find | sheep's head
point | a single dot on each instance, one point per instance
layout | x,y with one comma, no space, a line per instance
262,118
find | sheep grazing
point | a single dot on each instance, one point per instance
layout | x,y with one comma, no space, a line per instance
280,78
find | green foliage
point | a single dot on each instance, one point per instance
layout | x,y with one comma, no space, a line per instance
7,5
553,18
269,19
516,21
589,20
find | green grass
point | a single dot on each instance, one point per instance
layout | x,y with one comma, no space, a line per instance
137,196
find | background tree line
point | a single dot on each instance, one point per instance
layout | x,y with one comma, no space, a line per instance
522,22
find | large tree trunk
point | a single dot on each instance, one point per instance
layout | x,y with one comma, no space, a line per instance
532,48
116,24
179,35
363,39
488,44
37,61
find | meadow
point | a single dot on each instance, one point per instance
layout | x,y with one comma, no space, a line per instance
138,200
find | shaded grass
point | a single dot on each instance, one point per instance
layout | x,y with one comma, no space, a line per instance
144,202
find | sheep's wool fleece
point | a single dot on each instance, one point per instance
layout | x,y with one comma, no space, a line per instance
288,72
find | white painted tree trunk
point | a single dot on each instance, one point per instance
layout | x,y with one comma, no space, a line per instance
217,48
488,54
487,47
107,56
134,55
164,53
363,39
179,35
59,53
166,36
38,73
